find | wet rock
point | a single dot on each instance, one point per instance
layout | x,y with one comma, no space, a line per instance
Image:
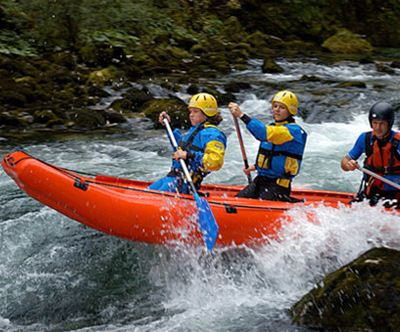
366,60
86,119
193,89
96,91
395,64
352,84
9,119
222,98
235,86
114,117
345,41
15,98
46,117
103,76
310,78
270,66
175,107
361,296
122,105
132,100
384,68
262,43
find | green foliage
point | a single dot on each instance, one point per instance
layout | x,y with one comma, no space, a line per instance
112,37
30,27
10,43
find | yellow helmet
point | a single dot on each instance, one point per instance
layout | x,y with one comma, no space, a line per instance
289,99
206,102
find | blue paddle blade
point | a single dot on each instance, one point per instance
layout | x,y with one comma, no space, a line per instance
207,222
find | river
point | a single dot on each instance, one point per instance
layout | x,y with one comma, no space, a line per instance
57,275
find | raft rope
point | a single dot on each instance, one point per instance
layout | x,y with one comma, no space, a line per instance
70,173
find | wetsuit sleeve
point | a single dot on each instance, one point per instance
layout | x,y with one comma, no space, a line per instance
358,148
274,134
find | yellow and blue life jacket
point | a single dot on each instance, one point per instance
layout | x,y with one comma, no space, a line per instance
205,144
281,149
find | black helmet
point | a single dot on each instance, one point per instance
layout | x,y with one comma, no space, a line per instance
381,111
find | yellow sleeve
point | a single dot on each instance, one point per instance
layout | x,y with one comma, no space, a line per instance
278,134
213,158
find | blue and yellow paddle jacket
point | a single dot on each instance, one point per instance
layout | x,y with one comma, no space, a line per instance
281,149
205,144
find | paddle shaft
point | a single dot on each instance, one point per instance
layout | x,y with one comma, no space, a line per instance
367,171
207,223
183,164
239,134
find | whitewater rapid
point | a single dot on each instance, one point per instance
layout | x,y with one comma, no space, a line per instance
56,274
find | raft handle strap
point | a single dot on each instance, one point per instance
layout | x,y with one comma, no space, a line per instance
230,208
81,185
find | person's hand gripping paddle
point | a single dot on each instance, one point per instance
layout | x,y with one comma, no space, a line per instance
207,223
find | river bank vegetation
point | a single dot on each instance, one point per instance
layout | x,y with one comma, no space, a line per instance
56,57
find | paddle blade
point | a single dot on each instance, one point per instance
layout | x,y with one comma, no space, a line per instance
207,223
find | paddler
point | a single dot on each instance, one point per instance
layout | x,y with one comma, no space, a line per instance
280,152
382,151
202,147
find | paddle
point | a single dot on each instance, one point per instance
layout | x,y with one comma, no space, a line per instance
390,183
205,217
239,134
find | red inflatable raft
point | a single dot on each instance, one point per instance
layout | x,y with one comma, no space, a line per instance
125,208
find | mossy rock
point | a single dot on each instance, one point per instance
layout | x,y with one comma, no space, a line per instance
310,78
233,30
96,91
137,97
100,55
86,119
361,296
352,84
46,117
13,98
64,59
103,76
259,40
176,109
345,41
239,56
122,105
384,68
11,119
205,46
113,117
236,86
270,66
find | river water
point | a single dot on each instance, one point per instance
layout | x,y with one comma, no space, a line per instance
58,275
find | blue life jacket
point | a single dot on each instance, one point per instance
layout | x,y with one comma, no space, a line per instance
281,150
200,141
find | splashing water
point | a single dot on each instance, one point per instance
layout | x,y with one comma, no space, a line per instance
56,274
